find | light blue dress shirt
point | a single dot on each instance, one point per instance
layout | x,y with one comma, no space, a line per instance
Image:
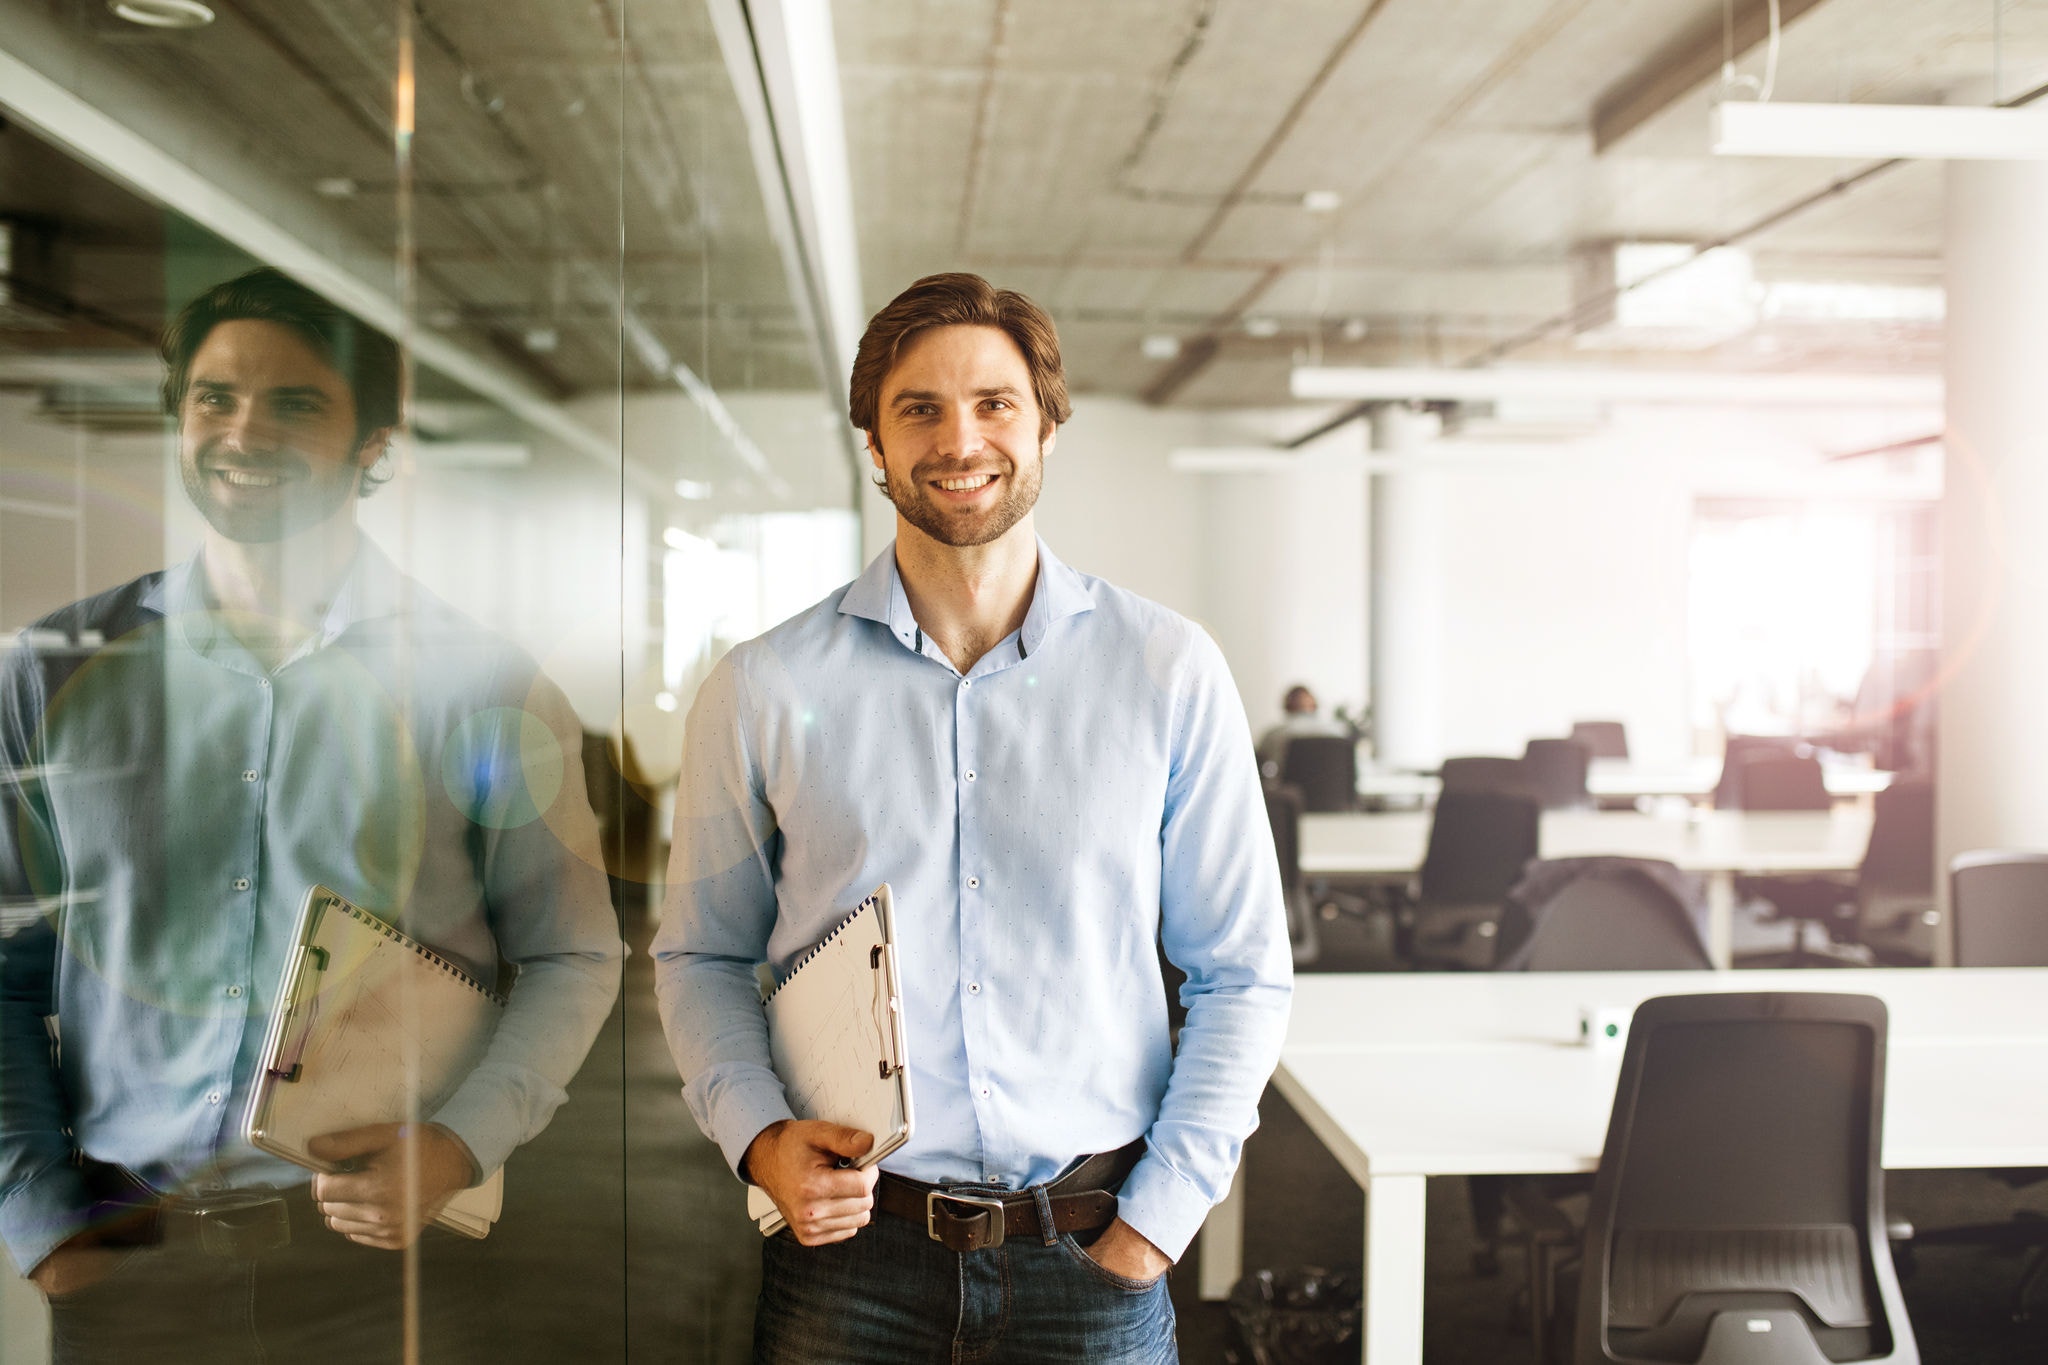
1087,789
167,800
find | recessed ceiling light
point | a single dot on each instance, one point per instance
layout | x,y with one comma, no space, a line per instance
1262,327
1159,346
335,187
1322,201
696,490
163,13
1354,329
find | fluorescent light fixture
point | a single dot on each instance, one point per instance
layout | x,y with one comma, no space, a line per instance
665,701
1435,457
1159,346
676,538
163,13
696,490
1611,385
1933,132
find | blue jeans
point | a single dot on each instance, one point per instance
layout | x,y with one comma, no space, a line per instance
892,1295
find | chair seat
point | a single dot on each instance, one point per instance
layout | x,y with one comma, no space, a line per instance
1654,1269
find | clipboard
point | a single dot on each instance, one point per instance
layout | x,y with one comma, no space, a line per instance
835,1033
370,1026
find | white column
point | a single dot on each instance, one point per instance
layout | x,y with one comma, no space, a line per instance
1994,704
1407,601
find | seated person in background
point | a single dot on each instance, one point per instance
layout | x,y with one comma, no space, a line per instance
194,750
1302,719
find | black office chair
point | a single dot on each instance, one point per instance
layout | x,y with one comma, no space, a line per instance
1485,773
1556,769
1604,914
1998,901
1479,843
1738,1212
1739,749
1283,811
1602,738
1586,915
1325,770
1888,912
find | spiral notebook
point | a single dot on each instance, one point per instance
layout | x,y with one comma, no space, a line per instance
835,1032
370,1026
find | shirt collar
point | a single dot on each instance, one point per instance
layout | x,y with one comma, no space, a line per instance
877,595
371,587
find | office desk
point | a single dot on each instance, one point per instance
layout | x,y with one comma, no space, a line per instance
1404,1077
1719,844
1622,778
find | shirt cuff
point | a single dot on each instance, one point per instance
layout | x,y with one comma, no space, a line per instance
42,1213
488,1121
1165,1209
733,1103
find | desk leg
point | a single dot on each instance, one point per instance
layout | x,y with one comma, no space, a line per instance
1223,1243
1721,919
1394,1220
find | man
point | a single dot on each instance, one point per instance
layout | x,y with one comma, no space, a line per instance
1302,717
193,750
1054,775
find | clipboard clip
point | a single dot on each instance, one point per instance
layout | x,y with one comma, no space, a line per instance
289,1064
885,1070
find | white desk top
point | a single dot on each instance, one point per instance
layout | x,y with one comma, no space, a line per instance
1392,844
1446,1075
1693,778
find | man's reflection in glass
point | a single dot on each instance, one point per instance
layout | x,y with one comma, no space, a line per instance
184,756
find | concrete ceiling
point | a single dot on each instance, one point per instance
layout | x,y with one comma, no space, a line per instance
1140,167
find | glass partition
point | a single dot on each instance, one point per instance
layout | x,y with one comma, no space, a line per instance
492,422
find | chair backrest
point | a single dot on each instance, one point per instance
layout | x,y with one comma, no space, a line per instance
1999,903
1738,1213
1899,861
1775,781
1602,738
1727,793
1283,810
1479,843
1604,914
1485,773
1324,768
1556,770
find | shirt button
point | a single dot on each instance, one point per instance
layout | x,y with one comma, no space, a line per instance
248,774
973,882
213,1096
235,992
967,682
970,774
984,1092
263,682
974,988
241,883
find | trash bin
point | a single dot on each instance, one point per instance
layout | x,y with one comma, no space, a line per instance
1300,1315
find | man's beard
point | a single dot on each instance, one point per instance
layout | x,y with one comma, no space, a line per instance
309,496
961,528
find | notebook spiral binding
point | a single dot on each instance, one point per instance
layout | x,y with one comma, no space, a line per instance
404,940
820,947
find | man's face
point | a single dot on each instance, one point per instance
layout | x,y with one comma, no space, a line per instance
267,434
959,443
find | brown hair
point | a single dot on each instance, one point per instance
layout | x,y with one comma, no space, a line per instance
365,357
955,300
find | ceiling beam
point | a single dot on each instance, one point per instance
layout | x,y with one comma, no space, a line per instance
1682,69
274,221
785,72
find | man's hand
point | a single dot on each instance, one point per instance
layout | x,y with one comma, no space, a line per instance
79,1262
368,1203
797,1162
1123,1250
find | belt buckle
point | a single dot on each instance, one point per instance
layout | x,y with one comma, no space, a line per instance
987,1203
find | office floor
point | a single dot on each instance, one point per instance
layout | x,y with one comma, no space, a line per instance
682,1290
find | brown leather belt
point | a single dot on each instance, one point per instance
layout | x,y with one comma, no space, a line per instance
977,1217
